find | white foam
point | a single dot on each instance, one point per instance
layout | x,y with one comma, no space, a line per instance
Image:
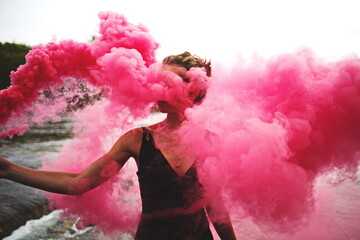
36,225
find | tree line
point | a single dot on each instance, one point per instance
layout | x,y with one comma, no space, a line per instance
12,55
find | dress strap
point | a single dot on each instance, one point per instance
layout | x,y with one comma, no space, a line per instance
146,134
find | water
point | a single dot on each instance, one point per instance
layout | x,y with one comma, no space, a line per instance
53,226
20,203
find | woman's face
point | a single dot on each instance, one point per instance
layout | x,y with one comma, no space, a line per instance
176,97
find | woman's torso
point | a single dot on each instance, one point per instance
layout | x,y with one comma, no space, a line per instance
172,205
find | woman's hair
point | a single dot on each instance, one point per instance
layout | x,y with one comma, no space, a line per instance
188,61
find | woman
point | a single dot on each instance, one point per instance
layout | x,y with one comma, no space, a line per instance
172,197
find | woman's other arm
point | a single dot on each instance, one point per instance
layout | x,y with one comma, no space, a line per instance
221,220
95,174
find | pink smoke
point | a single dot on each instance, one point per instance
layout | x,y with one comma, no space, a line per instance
273,126
265,132
126,49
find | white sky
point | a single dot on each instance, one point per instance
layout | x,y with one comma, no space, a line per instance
218,30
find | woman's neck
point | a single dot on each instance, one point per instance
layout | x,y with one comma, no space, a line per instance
173,120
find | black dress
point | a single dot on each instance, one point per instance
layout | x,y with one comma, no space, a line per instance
162,189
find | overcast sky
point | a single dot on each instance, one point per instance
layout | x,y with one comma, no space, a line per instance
219,30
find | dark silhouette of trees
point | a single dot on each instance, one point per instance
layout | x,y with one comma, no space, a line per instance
12,55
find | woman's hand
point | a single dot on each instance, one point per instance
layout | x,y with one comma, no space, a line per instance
4,166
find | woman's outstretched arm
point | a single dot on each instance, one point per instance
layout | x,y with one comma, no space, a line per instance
95,174
46,180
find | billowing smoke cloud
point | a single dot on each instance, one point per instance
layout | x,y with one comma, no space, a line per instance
126,49
267,129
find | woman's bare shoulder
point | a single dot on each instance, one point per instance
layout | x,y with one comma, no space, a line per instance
133,136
